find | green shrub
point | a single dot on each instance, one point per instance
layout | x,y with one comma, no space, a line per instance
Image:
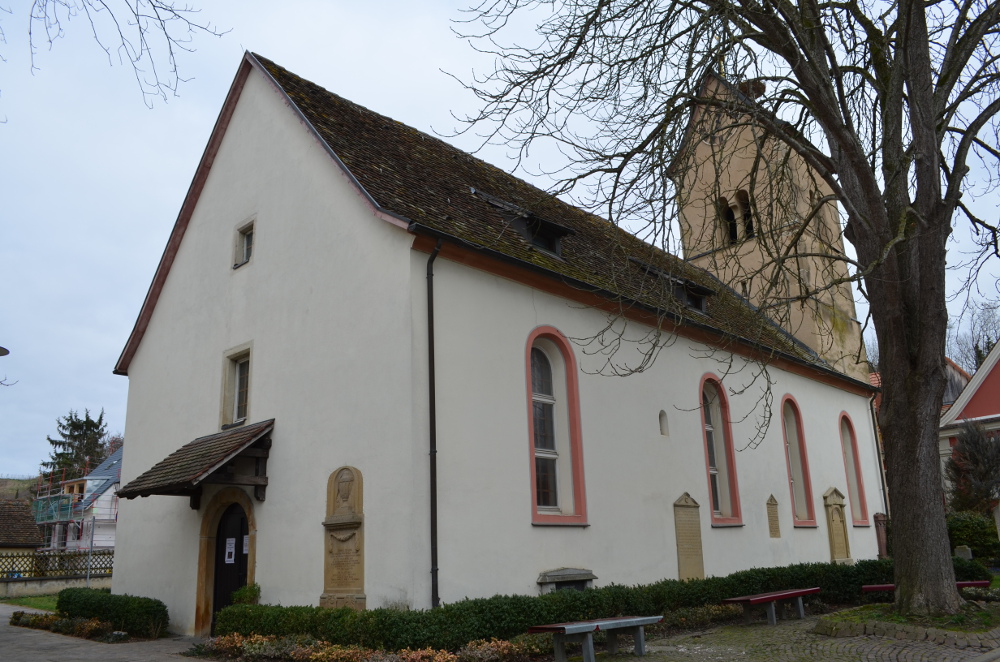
977,531
454,625
140,617
970,570
246,595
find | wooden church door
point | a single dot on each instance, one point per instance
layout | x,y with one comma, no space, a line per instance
231,553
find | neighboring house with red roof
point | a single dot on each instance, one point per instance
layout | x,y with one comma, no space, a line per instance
978,402
368,371
18,531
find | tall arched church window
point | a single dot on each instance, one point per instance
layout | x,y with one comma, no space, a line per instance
798,464
543,404
720,460
855,485
557,487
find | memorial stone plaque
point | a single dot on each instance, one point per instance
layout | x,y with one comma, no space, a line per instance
840,549
344,546
772,517
687,530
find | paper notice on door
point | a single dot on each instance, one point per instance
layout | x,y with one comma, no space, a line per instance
246,544
230,550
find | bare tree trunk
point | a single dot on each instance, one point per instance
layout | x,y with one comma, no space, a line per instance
908,308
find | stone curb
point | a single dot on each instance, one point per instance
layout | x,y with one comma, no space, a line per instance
989,641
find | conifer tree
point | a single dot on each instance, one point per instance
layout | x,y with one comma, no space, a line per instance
973,471
80,445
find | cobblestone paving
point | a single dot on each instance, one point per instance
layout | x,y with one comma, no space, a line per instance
793,640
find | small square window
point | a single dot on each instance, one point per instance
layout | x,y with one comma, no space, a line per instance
244,246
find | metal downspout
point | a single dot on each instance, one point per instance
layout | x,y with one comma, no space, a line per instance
878,454
432,418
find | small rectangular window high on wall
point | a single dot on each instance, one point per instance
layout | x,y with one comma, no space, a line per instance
244,245
236,387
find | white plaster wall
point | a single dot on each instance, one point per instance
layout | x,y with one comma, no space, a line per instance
633,474
325,303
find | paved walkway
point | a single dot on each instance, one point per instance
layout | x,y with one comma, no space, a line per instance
793,640
19,644
789,641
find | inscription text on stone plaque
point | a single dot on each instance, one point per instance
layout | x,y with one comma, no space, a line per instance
344,557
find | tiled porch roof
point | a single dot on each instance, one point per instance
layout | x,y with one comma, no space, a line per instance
182,471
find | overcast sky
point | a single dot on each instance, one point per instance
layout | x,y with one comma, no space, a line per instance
91,180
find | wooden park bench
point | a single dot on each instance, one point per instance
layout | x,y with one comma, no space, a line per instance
978,583
772,599
583,631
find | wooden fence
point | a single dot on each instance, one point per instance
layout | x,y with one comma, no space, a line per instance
52,565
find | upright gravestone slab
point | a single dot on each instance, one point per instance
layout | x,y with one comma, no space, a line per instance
963,552
687,530
840,549
344,546
772,517
881,535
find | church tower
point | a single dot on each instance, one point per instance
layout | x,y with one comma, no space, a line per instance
756,216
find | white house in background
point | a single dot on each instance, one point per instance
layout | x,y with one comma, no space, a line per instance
75,514
97,513
368,371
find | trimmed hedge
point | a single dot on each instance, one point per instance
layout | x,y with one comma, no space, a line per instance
454,625
977,531
140,617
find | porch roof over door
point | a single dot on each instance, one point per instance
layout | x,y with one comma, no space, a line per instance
204,461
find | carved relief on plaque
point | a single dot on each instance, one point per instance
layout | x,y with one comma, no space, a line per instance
772,517
687,530
344,545
840,549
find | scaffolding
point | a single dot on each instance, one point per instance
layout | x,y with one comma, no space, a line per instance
72,516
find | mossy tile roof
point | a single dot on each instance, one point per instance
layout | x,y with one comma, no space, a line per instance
435,186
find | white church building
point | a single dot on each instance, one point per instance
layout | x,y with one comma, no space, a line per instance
374,370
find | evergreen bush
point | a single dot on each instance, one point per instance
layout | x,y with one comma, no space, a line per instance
140,617
977,531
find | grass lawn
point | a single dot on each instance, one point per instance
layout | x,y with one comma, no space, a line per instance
972,618
46,602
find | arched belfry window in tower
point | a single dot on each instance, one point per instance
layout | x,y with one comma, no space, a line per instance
746,213
736,218
727,218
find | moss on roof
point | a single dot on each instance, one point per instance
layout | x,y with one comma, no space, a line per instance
428,182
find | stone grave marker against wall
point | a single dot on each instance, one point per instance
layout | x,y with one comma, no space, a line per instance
840,549
344,545
772,517
687,531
